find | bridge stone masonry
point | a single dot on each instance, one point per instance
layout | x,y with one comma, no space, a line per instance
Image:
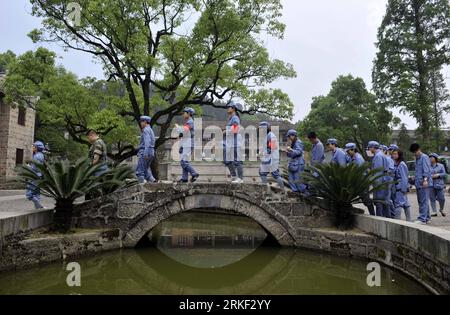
137,210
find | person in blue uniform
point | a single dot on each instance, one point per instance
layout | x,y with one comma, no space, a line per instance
296,165
390,178
233,144
33,192
353,157
423,181
339,157
437,191
318,149
146,152
401,185
270,157
186,133
381,197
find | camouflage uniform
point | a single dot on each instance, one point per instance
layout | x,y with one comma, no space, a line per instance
99,148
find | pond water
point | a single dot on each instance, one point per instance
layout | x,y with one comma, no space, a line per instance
199,253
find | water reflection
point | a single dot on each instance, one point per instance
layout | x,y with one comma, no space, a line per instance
199,265
207,240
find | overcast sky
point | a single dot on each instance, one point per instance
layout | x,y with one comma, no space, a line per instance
324,39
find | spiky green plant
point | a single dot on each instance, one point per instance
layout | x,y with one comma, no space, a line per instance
343,186
118,177
66,181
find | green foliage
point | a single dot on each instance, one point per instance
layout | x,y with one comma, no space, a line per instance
404,142
117,178
169,54
62,179
66,181
413,46
66,104
349,113
343,186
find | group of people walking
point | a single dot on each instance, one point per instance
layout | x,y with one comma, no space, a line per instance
388,202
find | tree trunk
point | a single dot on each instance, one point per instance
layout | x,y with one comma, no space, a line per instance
423,76
344,217
62,219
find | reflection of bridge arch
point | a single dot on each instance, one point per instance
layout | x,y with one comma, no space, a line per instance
242,203
253,274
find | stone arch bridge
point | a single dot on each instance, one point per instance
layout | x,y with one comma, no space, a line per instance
135,211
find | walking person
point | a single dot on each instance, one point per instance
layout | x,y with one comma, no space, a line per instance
186,133
423,182
146,152
296,165
270,157
437,190
381,196
390,178
97,151
401,185
318,149
33,192
339,156
355,158
233,144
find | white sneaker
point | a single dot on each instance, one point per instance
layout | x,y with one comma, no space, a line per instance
237,181
420,222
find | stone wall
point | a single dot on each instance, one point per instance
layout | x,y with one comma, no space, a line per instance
23,251
14,136
423,252
136,210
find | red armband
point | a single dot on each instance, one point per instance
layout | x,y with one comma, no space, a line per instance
272,144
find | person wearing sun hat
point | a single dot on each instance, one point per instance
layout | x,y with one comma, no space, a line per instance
233,143
437,190
33,192
354,157
186,133
379,162
339,156
146,151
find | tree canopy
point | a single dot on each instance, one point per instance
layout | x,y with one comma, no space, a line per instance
349,113
66,106
169,54
413,46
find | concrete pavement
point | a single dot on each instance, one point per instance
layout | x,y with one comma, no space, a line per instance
439,221
14,203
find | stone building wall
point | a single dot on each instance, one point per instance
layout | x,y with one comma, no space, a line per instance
14,136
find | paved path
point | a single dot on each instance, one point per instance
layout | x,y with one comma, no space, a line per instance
13,203
439,221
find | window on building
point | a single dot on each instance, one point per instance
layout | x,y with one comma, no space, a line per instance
19,157
22,116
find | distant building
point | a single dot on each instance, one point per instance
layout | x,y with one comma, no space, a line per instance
16,137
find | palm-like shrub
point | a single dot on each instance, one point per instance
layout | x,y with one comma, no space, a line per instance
65,181
116,178
343,186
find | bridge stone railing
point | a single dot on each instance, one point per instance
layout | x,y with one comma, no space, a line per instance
136,210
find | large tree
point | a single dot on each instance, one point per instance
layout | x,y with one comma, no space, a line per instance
66,106
169,54
413,46
349,113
